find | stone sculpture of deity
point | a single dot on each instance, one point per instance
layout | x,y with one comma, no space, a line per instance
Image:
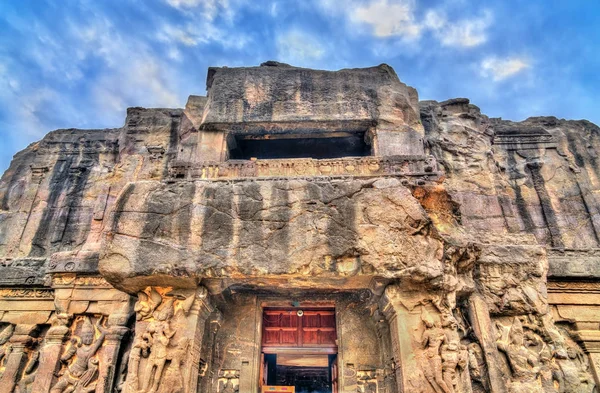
81,373
432,340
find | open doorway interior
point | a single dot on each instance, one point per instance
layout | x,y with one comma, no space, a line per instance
299,351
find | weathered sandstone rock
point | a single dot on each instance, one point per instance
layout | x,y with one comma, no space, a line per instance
403,246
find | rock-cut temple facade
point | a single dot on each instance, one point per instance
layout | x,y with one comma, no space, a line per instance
304,231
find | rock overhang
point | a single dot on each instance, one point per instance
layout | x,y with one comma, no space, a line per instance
314,233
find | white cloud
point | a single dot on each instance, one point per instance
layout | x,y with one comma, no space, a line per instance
463,33
500,69
399,18
29,109
181,35
207,9
198,34
299,48
174,54
390,19
142,79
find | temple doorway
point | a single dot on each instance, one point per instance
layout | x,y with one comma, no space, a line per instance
299,350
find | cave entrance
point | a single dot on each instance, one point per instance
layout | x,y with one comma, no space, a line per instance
287,146
299,351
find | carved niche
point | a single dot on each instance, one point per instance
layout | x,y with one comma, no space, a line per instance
163,354
80,358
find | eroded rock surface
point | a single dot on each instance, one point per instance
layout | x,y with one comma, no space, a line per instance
458,253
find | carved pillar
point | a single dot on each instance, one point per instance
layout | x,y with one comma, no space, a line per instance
200,312
387,380
13,366
482,327
110,353
394,311
50,354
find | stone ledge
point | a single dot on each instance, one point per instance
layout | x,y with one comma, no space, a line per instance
574,263
424,167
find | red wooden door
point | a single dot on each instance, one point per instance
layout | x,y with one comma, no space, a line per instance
285,328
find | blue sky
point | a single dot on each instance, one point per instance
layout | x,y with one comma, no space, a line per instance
66,63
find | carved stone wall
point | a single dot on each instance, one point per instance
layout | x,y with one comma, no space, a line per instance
462,255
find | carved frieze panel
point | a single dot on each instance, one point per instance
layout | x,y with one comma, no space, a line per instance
68,280
421,167
69,262
26,293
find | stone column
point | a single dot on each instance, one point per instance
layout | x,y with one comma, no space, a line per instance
201,310
388,378
109,357
394,312
50,353
17,357
483,329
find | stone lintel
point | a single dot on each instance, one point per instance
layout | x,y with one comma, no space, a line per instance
414,169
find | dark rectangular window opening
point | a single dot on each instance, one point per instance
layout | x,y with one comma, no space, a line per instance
287,146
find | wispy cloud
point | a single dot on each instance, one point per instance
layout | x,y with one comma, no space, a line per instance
502,68
299,47
199,33
208,9
395,19
399,18
461,33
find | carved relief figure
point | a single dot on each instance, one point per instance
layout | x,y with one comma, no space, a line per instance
161,344
146,304
172,381
5,347
432,340
140,348
24,386
229,388
477,366
574,373
524,364
160,336
82,371
453,358
549,374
